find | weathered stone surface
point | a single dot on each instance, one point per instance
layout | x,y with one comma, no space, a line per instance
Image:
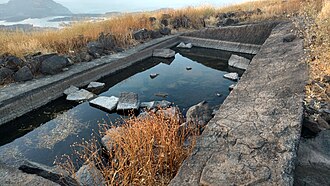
313,165
232,76
252,140
141,34
199,115
164,53
54,65
81,95
54,174
10,176
183,45
23,74
70,90
289,38
95,85
107,103
238,62
89,175
128,101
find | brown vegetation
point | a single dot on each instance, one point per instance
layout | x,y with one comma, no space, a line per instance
145,151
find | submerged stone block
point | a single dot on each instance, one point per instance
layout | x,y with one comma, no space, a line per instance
128,101
232,76
164,53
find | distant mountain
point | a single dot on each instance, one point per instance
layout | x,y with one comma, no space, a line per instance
16,10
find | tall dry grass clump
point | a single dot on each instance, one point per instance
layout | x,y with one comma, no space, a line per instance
314,25
142,151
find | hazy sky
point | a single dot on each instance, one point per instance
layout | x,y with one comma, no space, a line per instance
101,6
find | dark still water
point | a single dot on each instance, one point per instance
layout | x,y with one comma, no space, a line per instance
48,132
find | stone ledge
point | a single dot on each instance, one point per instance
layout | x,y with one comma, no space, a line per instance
221,45
19,98
253,139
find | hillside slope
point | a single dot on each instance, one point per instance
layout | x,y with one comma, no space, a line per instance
16,10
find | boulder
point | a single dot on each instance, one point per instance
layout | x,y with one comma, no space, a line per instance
141,34
238,62
128,101
107,41
154,34
108,104
33,65
199,115
70,90
54,65
13,63
81,95
289,38
95,85
163,53
313,162
232,76
165,31
183,45
23,74
95,49
5,74
41,57
316,123
89,175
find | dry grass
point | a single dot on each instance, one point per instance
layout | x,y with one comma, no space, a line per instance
146,151
75,37
314,25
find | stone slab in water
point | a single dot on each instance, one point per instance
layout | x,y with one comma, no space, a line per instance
164,53
81,95
232,76
128,101
70,90
95,85
238,62
106,103
183,45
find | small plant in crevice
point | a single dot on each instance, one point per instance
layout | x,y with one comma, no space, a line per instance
146,150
